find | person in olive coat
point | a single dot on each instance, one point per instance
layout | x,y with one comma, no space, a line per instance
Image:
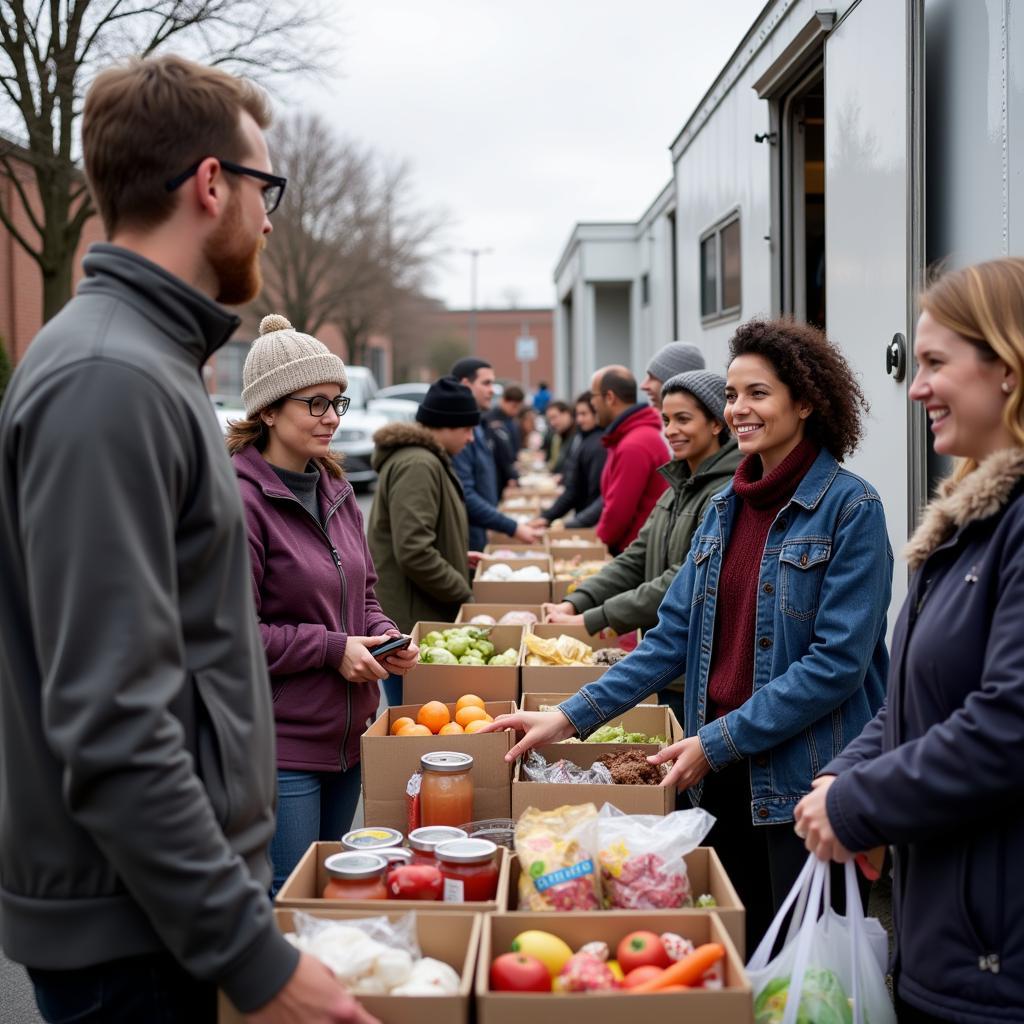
418,530
626,594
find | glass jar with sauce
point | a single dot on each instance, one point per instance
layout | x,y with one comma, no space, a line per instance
423,841
469,868
446,791
354,875
371,839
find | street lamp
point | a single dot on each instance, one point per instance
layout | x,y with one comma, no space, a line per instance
474,254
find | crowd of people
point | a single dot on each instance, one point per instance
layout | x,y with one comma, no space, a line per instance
187,637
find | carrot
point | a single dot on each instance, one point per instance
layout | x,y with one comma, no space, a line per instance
687,971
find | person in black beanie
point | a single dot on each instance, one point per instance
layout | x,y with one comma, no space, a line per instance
418,531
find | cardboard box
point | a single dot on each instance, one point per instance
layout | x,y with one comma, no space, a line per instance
549,795
581,553
651,719
467,611
526,550
571,536
449,682
507,592
302,889
453,938
732,1004
564,678
388,762
520,503
706,876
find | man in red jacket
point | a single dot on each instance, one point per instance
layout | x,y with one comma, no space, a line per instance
630,481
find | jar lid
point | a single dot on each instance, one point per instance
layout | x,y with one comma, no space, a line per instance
447,761
371,838
427,837
395,856
352,865
466,851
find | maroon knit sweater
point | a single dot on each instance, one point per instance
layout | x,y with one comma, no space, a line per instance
731,678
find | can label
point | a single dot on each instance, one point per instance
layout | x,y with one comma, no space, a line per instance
454,891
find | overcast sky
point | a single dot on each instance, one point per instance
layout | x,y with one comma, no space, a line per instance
522,117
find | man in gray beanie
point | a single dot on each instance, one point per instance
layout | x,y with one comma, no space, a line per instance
676,357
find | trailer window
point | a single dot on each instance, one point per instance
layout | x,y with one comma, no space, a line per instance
720,292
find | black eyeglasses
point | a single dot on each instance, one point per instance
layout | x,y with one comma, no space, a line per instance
273,191
318,405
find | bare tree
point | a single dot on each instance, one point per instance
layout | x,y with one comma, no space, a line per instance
349,246
49,51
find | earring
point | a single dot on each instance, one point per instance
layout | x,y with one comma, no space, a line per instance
1006,387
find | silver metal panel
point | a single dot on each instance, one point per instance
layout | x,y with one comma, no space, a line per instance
869,245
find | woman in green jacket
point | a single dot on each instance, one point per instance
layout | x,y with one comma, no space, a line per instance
418,532
626,594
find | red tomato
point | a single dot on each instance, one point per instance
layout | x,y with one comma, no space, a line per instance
639,975
638,949
415,882
517,972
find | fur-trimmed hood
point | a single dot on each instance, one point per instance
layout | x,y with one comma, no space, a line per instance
390,438
978,496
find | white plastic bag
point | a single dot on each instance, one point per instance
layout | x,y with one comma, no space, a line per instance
827,958
641,857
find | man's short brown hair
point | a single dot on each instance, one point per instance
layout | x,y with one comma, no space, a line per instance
148,120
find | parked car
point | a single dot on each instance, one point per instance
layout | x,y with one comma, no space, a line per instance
414,391
367,413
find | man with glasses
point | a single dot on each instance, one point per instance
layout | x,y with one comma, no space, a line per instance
137,776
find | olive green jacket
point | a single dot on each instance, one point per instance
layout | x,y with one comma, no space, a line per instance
627,592
418,531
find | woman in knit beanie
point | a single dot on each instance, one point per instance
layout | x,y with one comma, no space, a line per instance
776,618
313,584
418,531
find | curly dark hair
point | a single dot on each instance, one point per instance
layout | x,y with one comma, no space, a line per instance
814,370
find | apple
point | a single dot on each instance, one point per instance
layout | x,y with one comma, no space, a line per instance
517,972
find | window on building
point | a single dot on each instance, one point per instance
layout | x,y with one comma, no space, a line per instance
645,289
720,270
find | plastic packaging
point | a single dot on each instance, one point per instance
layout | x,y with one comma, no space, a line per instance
537,769
557,859
641,857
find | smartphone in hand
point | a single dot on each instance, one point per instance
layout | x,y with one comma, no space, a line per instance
396,643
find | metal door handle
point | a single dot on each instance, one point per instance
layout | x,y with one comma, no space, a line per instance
896,357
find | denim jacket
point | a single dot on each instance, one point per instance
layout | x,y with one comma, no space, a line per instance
820,660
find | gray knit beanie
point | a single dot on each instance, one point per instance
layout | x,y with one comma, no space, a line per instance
706,386
676,357
281,360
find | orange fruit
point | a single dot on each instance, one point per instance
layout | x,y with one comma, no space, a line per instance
451,729
475,726
489,718
470,714
433,715
415,730
469,700
399,724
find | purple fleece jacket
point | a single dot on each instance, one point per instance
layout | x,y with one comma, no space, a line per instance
313,586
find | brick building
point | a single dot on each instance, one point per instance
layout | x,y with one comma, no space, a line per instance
21,283
496,334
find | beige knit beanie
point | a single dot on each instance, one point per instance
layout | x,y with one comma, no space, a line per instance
281,360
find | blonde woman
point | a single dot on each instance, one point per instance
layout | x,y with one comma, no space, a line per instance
938,774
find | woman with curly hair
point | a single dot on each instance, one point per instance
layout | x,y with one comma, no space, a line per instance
783,665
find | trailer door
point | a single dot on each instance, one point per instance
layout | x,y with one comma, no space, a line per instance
874,234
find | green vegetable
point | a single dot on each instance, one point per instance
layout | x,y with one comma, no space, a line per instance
618,734
707,900
822,1000
509,657
471,658
458,645
485,647
432,639
438,656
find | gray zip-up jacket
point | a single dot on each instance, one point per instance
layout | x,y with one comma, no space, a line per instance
137,778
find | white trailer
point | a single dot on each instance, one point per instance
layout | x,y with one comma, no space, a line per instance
843,148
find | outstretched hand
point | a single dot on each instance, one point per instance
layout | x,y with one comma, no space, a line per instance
690,763
538,728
